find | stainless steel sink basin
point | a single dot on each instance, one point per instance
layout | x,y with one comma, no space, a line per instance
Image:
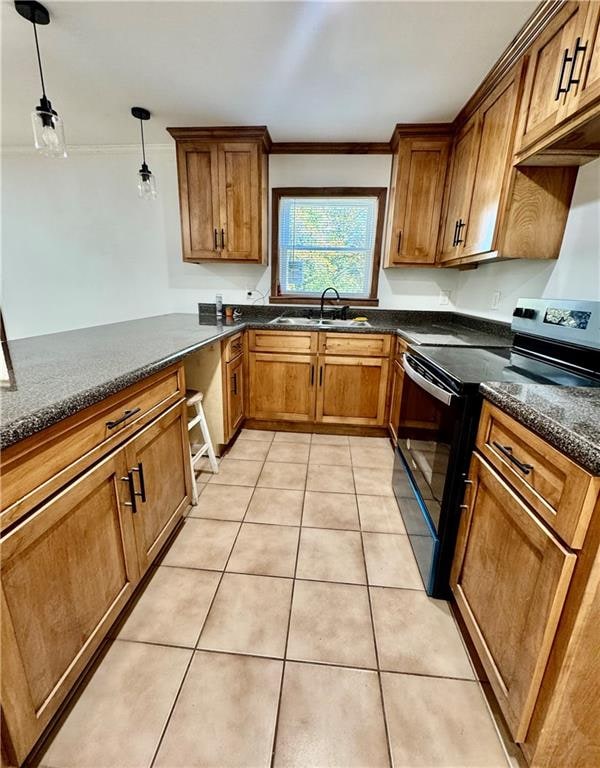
324,323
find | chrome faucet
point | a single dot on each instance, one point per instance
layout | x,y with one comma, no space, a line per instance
323,299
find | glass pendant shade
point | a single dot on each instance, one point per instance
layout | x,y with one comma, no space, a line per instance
146,183
48,133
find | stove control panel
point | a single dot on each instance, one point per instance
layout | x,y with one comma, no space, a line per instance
573,322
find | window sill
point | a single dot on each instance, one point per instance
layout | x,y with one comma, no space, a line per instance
328,303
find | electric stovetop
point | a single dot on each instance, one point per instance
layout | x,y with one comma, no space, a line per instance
467,367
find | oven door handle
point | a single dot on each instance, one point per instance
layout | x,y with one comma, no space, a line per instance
441,394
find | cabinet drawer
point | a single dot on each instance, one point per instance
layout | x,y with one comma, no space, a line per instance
400,347
233,347
559,490
363,344
41,464
285,342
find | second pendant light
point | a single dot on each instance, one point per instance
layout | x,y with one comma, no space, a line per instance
146,179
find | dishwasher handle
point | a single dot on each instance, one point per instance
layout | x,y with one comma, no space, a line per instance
435,390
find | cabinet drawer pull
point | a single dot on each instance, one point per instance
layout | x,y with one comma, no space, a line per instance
216,240
140,470
507,451
132,493
320,375
454,235
399,241
578,49
234,383
124,417
312,375
560,88
223,239
459,225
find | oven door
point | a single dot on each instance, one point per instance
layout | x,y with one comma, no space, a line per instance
430,417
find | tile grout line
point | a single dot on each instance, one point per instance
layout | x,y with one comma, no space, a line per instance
287,636
194,649
383,712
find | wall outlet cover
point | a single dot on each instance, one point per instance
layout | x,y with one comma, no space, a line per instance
444,297
497,295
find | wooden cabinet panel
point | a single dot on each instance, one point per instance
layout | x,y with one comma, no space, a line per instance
281,387
352,390
234,396
560,491
239,200
587,67
158,459
510,578
198,172
397,375
355,344
496,129
543,106
66,573
282,341
418,174
460,187
233,347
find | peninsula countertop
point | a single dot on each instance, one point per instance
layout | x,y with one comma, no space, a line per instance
60,374
566,417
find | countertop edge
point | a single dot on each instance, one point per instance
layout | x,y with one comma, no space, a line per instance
576,447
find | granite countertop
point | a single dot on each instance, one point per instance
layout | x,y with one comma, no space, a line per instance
566,417
59,374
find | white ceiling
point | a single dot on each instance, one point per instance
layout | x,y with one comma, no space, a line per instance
308,70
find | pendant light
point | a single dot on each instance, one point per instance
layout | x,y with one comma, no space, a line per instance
48,129
146,179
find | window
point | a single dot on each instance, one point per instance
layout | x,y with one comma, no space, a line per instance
327,237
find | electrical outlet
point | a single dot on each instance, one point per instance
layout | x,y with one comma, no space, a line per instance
496,296
445,298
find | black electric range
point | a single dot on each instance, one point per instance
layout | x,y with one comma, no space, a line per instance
556,343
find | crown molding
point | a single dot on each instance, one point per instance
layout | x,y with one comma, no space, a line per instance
225,133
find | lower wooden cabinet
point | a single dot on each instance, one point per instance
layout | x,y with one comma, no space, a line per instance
282,386
70,567
396,398
158,465
67,572
352,390
234,393
510,578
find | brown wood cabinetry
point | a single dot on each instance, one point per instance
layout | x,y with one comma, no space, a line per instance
526,578
233,367
223,179
345,383
492,209
416,191
70,564
559,121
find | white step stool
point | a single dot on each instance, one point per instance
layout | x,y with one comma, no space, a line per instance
194,400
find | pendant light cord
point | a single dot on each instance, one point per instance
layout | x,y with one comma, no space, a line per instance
143,147
37,48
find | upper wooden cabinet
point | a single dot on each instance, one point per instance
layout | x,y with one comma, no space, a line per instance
223,180
559,121
492,209
416,190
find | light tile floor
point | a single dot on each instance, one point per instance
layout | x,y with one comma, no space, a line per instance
286,625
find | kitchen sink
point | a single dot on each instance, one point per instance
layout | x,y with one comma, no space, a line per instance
319,323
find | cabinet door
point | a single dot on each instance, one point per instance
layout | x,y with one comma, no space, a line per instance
543,106
396,398
234,394
587,64
282,387
459,190
67,572
158,460
420,172
239,197
352,390
496,120
510,577
198,173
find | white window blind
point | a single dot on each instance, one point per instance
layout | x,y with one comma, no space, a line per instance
326,241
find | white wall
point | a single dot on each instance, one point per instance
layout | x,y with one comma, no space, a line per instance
79,248
575,275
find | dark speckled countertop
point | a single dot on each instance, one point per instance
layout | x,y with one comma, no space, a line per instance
59,374
566,417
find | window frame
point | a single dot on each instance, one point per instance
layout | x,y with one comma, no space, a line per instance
278,192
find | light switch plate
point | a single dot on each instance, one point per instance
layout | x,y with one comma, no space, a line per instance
445,297
497,295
